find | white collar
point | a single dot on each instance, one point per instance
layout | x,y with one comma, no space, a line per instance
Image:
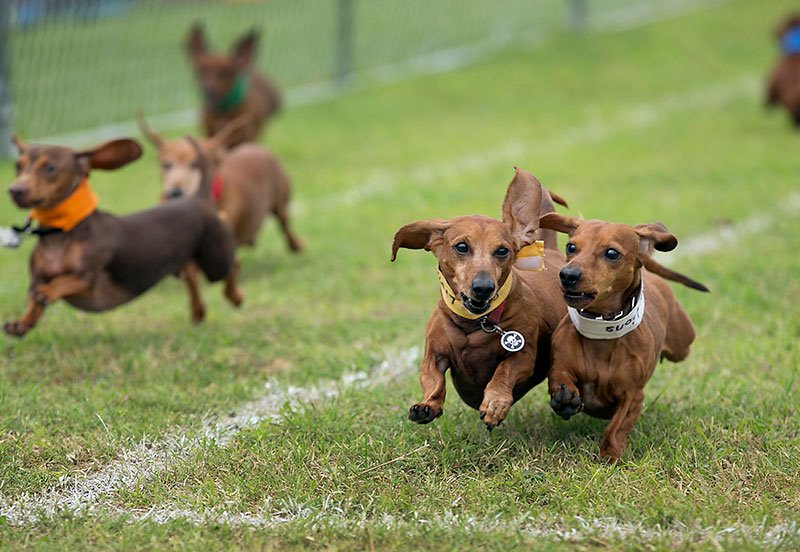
600,328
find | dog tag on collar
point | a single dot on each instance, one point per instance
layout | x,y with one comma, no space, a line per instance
512,341
10,238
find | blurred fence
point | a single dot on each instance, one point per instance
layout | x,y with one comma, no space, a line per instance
70,65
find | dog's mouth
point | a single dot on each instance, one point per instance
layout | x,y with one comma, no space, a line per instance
26,203
578,299
474,306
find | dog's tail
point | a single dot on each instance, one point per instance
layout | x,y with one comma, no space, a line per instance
668,274
204,189
555,197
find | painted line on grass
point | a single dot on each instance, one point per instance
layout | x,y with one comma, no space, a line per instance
85,494
382,181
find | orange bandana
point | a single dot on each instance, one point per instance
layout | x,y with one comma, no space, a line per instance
69,213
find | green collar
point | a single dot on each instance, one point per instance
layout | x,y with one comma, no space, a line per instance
235,96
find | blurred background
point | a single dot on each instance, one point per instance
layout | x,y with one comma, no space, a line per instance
75,71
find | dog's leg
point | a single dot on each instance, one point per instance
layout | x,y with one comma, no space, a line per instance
42,295
28,319
615,437
232,291
431,379
565,399
292,241
190,277
499,393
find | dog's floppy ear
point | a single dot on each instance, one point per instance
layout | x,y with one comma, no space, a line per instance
654,236
521,207
148,132
559,223
196,41
244,51
111,155
422,234
21,146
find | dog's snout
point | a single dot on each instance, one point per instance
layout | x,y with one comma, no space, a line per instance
17,193
174,193
570,276
482,287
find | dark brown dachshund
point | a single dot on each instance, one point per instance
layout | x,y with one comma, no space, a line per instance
492,326
249,184
783,85
96,261
231,87
621,321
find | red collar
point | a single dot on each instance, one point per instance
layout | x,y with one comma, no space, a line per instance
216,187
495,316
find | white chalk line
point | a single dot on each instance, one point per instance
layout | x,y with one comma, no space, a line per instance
440,61
85,494
381,182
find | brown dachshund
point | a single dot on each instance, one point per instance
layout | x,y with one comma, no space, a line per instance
249,184
621,321
783,85
231,87
96,261
493,324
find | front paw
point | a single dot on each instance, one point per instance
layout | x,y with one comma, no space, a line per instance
494,408
423,413
16,329
566,402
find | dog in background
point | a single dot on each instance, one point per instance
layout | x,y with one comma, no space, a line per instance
621,321
96,261
248,184
231,87
492,326
783,84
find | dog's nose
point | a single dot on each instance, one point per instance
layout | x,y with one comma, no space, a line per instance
174,192
482,287
16,193
570,276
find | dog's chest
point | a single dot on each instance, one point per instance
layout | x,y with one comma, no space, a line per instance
57,258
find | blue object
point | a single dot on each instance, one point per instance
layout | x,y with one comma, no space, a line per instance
790,43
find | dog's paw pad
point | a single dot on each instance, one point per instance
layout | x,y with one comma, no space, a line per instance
566,403
16,329
423,414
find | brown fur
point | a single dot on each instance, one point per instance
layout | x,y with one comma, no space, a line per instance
105,260
783,83
255,186
486,376
217,74
606,378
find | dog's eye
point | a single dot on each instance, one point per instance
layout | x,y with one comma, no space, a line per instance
612,254
461,247
571,248
166,165
49,169
196,165
501,253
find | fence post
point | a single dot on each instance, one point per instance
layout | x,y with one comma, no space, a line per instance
5,79
344,43
578,14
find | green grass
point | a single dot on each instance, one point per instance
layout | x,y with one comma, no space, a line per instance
717,445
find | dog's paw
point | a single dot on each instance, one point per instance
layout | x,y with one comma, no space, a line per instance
16,329
424,414
494,409
234,296
198,313
566,403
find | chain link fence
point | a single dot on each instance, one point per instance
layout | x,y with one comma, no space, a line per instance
70,65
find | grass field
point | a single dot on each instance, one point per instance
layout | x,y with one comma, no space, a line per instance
282,424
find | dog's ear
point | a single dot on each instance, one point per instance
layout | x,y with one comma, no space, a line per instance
244,51
521,207
196,41
423,234
109,156
21,146
217,142
559,223
148,132
654,236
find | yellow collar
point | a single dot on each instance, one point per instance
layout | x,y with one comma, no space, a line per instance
454,303
69,213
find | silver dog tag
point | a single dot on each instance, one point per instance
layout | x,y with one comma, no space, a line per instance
10,238
512,341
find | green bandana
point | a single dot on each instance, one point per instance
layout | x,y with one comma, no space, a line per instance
235,96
